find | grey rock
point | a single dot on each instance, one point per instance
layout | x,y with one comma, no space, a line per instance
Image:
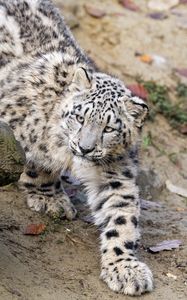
149,183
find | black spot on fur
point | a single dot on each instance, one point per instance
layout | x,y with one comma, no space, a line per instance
135,246
45,190
48,172
118,251
31,192
65,178
22,137
57,185
100,205
120,204
54,35
134,221
64,74
108,119
120,220
59,143
129,245
133,154
29,185
104,251
130,197
127,173
120,259
119,158
33,139
46,185
112,233
43,148
137,287
128,259
13,113
36,121
26,149
115,184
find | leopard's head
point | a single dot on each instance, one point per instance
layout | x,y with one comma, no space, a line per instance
101,117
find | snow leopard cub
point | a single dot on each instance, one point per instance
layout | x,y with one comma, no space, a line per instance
67,115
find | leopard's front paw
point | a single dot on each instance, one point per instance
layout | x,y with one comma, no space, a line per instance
54,207
62,205
128,277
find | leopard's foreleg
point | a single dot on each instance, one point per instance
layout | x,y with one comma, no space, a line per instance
45,193
116,208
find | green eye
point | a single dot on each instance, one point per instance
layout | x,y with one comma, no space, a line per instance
80,119
108,129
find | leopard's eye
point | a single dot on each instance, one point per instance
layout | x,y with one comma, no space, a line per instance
80,119
108,129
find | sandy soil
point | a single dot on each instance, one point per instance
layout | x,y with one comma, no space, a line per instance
63,263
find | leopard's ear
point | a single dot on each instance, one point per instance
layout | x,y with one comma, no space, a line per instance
138,109
81,80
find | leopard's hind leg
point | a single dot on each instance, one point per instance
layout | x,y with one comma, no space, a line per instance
45,193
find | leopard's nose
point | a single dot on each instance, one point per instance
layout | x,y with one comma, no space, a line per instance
86,150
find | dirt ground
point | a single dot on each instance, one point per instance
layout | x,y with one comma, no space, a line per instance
63,263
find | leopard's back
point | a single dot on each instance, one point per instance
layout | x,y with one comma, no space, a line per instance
33,27
38,56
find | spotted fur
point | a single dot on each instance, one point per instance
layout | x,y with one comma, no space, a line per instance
69,116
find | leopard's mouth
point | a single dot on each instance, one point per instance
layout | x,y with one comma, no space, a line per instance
86,157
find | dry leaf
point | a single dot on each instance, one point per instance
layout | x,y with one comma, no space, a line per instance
129,4
34,229
183,129
182,72
146,58
94,12
181,209
158,16
176,189
165,245
138,90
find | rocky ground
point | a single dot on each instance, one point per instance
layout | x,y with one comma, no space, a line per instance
63,262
